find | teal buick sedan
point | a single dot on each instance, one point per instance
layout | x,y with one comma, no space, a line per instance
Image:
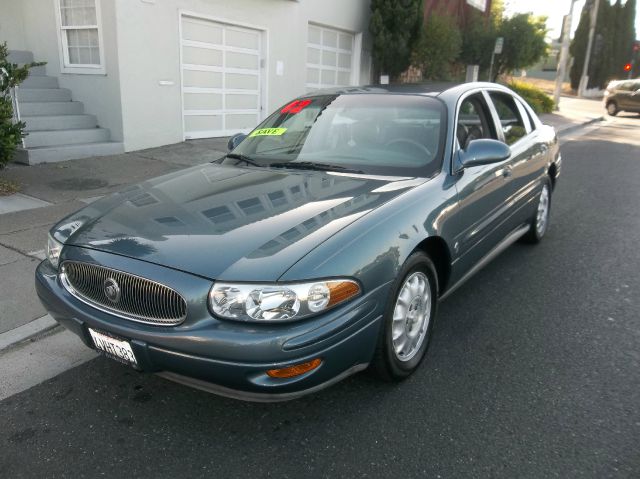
319,246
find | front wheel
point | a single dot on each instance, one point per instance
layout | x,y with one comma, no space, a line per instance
540,221
612,108
408,319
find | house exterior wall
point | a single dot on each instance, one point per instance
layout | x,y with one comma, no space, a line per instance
99,93
149,53
139,96
12,25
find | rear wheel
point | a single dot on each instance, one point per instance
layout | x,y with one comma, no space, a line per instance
612,108
408,319
540,220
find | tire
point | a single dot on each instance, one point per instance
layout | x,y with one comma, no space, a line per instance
612,108
418,278
540,221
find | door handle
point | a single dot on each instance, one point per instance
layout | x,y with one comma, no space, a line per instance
507,171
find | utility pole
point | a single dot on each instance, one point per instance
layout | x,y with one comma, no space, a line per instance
564,56
584,79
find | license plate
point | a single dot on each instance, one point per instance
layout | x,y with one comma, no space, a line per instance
115,348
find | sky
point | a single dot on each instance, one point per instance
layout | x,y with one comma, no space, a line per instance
555,10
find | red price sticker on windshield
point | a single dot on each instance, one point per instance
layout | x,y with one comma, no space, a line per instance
296,106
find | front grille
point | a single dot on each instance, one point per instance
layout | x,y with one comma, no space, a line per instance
139,299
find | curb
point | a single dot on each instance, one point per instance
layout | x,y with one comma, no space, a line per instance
573,128
25,332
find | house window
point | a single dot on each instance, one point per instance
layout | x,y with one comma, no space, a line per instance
80,36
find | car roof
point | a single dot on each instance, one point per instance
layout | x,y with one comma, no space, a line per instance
427,89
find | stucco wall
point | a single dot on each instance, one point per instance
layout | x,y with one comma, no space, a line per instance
148,39
12,25
99,93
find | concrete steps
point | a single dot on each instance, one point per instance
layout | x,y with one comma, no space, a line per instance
39,81
57,128
50,154
38,71
59,122
20,57
31,109
66,137
26,95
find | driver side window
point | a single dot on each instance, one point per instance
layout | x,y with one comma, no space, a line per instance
473,121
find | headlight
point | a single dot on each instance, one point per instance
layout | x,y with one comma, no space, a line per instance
278,302
53,251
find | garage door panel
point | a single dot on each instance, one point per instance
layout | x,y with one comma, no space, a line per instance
202,79
203,123
345,41
203,101
202,56
242,60
329,38
344,60
241,102
242,81
200,31
328,77
243,39
221,78
241,121
313,75
314,35
329,57
313,55
344,78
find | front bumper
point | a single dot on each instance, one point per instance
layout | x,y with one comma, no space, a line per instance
230,358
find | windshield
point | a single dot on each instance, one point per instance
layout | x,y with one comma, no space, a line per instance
370,133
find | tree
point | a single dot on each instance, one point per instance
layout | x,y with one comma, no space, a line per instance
438,48
11,132
612,46
395,26
524,42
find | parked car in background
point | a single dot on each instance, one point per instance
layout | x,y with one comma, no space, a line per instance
622,96
320,245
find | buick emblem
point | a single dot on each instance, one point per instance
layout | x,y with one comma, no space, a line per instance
111,290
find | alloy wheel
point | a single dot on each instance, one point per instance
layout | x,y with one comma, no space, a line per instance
411,316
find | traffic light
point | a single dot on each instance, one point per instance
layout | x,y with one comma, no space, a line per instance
627,67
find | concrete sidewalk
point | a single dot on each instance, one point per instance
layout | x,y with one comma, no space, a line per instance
58,189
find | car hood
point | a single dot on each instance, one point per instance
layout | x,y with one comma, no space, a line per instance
224,222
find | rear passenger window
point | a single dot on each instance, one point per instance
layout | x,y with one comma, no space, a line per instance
512,124
473,121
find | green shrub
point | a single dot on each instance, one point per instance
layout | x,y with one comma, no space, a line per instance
11,133
535,97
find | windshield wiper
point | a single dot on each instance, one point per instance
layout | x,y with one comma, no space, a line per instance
312,165
241,157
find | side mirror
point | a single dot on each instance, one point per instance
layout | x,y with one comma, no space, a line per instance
483,152
235,140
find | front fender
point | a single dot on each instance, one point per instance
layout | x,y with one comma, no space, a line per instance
374,248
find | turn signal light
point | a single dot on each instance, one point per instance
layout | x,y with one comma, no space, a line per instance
341,291
293,371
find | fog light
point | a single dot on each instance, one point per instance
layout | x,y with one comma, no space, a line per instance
293,371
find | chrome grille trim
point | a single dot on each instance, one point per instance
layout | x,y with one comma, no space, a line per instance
141,300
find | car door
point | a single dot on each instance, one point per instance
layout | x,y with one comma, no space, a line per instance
482,190
634,99
528,154
624,97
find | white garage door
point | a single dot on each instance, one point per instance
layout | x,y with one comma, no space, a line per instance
329,58
221,78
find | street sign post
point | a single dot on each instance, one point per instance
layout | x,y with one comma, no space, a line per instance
497,50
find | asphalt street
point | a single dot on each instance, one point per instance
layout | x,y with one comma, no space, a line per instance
534,371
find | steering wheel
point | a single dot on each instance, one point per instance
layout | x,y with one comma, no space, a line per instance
412,143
